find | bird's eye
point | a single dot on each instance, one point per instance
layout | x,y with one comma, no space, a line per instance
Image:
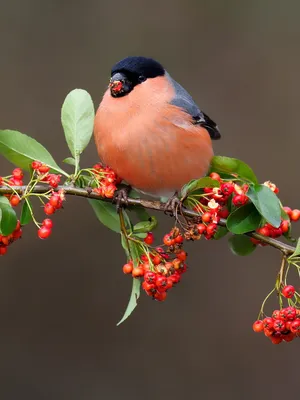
141,78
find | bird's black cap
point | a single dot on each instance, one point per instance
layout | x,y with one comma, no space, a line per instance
137,66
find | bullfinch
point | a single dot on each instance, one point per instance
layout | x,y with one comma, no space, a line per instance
150,131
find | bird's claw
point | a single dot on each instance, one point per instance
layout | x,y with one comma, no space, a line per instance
173,205
121,197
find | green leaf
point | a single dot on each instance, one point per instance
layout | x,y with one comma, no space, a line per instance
196,184
107,214
8,217
70,161
136,284
25,213
77,118
21,150
221,232
297,250
145,226
266,203
233,166
244,219
241,245
135,294
140,235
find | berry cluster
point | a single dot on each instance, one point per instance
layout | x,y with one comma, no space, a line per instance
215,203
106,180
270,231
40,174
160,268
42,171
55,203
284,324
5,241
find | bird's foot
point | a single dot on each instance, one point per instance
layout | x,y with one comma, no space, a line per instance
173,206
121,197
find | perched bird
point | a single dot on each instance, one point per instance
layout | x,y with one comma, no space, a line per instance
149,130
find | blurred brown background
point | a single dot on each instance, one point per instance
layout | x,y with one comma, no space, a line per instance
60,299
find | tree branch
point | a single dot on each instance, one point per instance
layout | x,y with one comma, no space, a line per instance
148,204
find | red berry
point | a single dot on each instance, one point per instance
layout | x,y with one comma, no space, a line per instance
282,314
215,176
279,325
276,314
156,260
168,240
18,173
290,313
149,287
288,210
54,180
239,200
268,323
268,332
169,284
160,296
206,217
36,164
137,272
175,278
48,223
43,169
227,188
3,250
285,225
17,233
127,268
288,337
264,231
211,229
49,209
14,200
295,326
288,291
181,255
179,239
161,283
149,239
109,190
295,215
150,277
201,228
223,212
288,325
16,182
276,339
54,200
44,232
258,326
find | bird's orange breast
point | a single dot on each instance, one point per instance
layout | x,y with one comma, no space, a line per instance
151,144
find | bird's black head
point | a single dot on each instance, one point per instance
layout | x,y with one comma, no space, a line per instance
131,71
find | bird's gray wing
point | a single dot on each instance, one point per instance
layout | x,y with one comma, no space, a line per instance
185,101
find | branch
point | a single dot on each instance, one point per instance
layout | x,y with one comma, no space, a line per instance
148,204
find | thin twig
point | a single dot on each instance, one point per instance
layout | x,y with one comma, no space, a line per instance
148,204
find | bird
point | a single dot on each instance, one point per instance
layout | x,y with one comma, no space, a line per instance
150,131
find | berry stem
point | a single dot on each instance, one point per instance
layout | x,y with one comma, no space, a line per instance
261,312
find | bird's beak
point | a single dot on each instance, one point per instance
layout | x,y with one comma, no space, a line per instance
115,86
